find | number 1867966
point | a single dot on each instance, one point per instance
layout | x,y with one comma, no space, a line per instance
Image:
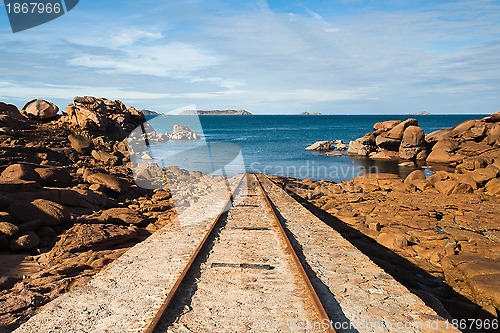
33,7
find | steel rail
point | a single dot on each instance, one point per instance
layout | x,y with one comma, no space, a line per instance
323,316
194,255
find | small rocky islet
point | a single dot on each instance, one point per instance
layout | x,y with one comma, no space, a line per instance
215,113
405,141
69,204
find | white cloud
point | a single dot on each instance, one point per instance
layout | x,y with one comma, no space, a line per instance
10,90
225,83
159,60
129,37
320,95
173,60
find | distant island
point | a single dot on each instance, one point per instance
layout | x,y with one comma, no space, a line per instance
305,113
216,113
421,113
149,112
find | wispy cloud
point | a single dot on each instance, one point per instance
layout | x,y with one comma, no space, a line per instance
129,37
319,95
158,60
326,26
10,90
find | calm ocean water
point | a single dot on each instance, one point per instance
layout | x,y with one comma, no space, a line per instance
274,144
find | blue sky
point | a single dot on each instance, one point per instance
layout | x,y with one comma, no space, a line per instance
334,57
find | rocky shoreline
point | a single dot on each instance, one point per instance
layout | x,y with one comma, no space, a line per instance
445,227
69,204
405,140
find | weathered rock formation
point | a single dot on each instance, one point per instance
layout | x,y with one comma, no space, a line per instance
181,132
305,113
396,139
149,112
473,138
39,109
391,140
69,204
103,115
321,145
10,118
328,145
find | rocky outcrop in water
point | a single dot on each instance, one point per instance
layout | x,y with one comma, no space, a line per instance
305,113
328,145
321,145
444,226
391,140
181,132
149,112
394,139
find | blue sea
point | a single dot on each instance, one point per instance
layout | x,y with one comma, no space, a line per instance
275,144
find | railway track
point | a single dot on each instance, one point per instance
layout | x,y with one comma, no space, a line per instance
245,276
227,265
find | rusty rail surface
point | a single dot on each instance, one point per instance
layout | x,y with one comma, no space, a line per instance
322,315
194,255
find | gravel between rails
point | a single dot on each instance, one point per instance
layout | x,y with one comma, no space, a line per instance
246,282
